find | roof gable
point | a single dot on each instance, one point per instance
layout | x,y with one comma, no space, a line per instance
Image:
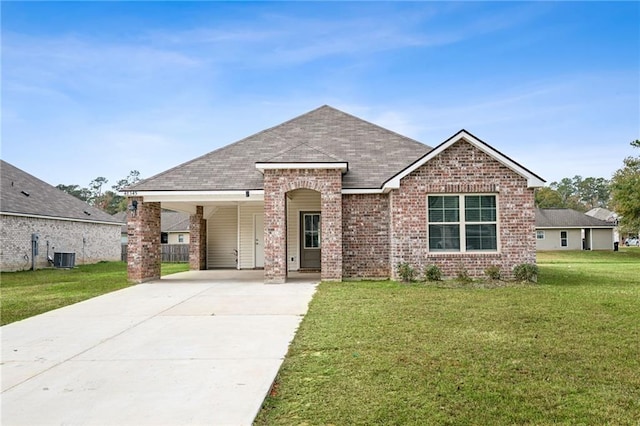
533,180
25,195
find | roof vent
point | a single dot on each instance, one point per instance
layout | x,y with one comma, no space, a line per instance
87,213
25,193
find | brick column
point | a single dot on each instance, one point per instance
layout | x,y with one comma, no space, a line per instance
275,230
331,226
144,254
198,240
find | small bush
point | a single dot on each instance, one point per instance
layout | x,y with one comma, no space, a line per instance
432,273
526,272
493,272
407,272
463,275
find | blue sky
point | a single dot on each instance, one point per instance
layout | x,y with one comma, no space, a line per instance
101,88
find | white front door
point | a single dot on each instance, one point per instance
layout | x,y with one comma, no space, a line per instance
258,237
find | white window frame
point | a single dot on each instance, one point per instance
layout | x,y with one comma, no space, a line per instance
304,236
462,223
564,239
540,235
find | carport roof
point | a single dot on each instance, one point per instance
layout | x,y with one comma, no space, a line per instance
373,154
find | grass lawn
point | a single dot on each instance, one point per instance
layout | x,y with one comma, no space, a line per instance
563,351
25,294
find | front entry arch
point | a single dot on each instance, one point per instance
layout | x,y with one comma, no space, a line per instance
277,183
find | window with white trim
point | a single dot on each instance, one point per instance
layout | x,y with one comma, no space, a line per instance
462,223
540,235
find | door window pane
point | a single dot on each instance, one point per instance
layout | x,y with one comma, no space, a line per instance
311,230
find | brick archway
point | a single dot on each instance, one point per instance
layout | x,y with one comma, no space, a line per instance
277,183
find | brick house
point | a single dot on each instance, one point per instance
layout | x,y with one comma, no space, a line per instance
328,191
62,223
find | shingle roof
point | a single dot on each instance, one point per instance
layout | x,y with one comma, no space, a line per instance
374,154
25,194
171,221
567,218
602,214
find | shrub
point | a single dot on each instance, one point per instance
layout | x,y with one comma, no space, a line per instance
526,272
407,272
463,275
432,273
493,272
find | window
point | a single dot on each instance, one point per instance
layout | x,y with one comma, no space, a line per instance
164,238
180,238
563,238
462,223
311,230
540,235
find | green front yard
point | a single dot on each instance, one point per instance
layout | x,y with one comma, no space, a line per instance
564,351
28,293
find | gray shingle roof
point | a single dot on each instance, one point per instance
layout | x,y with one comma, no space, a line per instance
602,214
42,199
374,154
567,218
171,221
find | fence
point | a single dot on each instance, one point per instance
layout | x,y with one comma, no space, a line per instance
170,253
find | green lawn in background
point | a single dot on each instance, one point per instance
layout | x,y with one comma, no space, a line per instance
27,293
563,351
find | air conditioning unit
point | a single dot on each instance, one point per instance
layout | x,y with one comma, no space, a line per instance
64,260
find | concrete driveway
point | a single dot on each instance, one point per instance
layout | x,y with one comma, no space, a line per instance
196,348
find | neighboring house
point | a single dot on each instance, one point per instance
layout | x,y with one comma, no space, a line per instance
331,192
61,223
174,227
566,229
121,217
608,216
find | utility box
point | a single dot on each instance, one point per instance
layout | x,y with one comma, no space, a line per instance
64,260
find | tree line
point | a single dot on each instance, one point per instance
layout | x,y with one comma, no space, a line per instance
621,194
95,194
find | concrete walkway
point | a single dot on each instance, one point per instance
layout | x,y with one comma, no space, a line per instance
196,348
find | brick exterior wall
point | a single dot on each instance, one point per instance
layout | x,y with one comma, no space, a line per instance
91,242
276,185
144,254
198,240
365,236
462,169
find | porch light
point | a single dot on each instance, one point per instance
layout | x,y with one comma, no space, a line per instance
246,194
